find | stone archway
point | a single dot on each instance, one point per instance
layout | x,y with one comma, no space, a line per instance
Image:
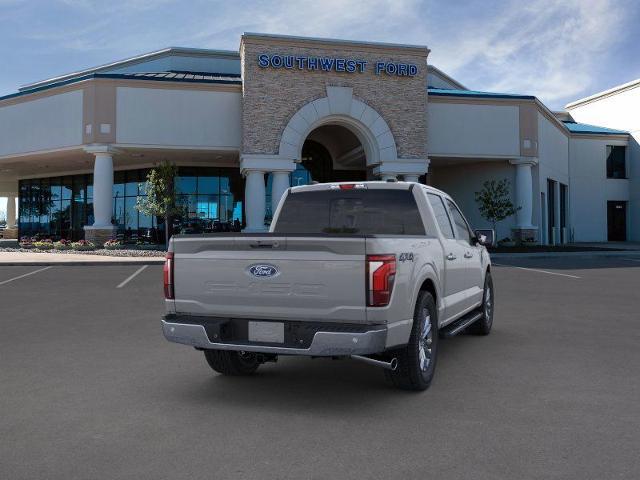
339,107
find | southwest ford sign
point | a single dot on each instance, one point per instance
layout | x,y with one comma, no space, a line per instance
335,64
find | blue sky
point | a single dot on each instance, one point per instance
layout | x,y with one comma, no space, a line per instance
556,50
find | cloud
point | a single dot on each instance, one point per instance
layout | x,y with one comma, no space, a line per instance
557,50
547,48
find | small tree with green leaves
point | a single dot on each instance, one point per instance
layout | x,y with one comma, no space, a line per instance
494,201
160,199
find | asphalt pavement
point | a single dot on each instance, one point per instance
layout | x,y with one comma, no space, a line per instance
89,388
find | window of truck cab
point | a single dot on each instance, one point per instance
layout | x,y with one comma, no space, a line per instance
355,211
461,226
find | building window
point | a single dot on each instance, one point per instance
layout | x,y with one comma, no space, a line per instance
616,161
211,199
59,207
54,207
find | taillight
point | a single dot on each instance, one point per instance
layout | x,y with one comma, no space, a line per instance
168,276
381,273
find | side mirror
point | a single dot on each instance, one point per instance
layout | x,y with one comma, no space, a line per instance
485,237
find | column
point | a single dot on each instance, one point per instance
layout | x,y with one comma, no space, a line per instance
411,178
11,211
279,185
524,229
254,197
102,228
103,190
254,166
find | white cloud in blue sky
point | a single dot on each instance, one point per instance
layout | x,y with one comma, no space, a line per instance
557,50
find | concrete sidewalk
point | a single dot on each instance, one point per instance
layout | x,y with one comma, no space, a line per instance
32,258
593,253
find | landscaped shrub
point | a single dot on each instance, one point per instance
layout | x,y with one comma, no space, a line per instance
113,244
46,244
62,245
25,242
83,245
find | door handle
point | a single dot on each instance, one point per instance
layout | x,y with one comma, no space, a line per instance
264,245
451,256
468,255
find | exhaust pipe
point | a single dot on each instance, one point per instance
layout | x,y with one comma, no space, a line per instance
392,365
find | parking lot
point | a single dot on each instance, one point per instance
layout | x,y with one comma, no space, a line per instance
89,388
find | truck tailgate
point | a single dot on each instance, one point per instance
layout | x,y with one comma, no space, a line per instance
271,276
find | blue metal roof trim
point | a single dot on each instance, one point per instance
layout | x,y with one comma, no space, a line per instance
229,79
444,92
585,128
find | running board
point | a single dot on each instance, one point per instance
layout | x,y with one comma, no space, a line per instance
459,325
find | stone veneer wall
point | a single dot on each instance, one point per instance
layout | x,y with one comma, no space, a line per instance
272,96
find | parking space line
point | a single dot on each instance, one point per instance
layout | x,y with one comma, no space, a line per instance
131,277
25,275
536,270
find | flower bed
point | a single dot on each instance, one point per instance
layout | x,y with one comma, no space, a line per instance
62,245
113,245
102,252
112,248
83,245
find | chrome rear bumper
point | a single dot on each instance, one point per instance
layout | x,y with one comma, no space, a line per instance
324,344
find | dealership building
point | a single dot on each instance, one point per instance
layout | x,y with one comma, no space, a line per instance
244,126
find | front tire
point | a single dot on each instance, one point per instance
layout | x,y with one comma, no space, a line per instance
417,361
483,326
232,363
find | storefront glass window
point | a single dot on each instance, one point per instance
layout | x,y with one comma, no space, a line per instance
59,207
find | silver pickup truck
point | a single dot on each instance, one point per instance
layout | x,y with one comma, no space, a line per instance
374,271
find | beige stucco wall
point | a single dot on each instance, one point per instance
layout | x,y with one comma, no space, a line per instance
461,129
45,123
272,96
178,117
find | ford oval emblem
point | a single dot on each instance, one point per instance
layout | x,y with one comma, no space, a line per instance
263,270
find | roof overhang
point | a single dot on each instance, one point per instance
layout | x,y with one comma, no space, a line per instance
145,57
606,93
319,42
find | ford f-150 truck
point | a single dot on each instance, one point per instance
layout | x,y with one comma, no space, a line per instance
374,271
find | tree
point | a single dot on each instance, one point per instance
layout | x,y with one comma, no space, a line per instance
494,201
160,199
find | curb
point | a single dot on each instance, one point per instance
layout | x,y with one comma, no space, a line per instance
617,253
82,263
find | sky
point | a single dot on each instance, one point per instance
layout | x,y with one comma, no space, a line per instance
557,50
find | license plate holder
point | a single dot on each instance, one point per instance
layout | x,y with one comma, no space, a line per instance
266,332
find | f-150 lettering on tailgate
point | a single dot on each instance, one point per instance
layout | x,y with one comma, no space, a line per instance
261,288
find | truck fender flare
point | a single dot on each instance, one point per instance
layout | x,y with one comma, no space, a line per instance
428,272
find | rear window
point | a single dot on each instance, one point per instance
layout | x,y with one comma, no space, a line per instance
363,212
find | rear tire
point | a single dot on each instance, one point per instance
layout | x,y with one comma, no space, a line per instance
417,361
232,363
483,326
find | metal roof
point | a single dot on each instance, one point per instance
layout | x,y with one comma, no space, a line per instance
134,60
585,128
177,75
187,77
444,92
